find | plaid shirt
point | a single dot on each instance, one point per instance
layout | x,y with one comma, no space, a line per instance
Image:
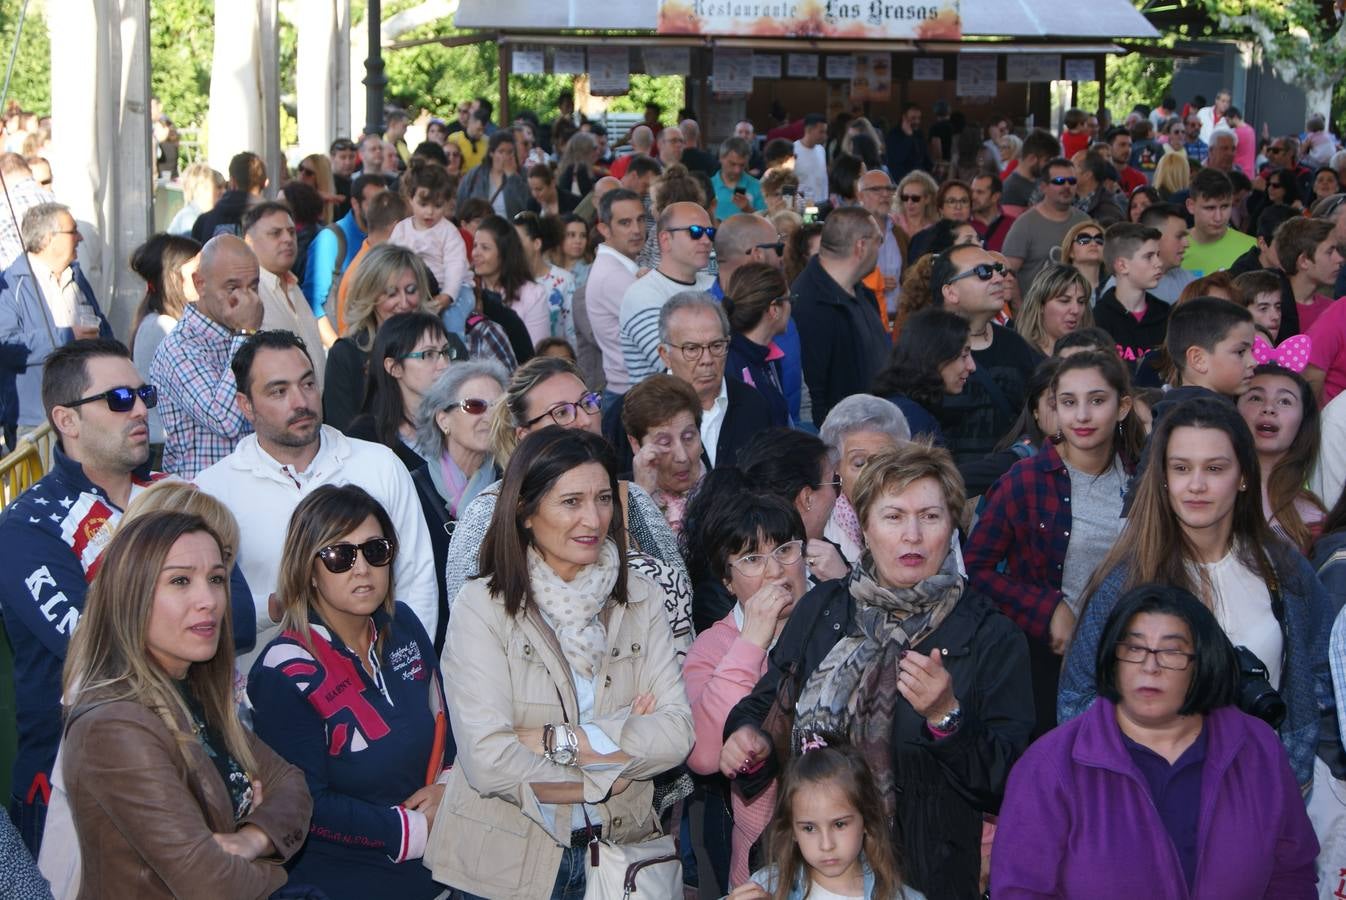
1025,525
202,421
24,195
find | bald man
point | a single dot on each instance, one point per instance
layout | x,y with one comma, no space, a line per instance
587,208
197,396
642,144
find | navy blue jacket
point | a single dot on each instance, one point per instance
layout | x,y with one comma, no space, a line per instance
753,365
365,745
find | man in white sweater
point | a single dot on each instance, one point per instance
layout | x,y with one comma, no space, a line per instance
685,241
290,454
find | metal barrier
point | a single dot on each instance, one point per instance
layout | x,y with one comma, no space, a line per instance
22,468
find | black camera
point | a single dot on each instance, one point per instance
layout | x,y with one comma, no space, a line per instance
1256,696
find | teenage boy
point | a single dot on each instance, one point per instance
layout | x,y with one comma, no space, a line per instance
1261,292
1174,236
1214,244
1134,317
1307,250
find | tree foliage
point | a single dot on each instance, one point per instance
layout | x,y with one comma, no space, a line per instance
182,41
31,83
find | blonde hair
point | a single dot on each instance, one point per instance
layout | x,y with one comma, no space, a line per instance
176,495
322,169
1173,174
511,414
109,657
199,184
379,266
1067,251
1052,281
928,186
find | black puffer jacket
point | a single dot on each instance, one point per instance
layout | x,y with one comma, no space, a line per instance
944,786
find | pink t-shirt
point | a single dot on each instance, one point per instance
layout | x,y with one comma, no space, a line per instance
1328,352
441,248
1310,312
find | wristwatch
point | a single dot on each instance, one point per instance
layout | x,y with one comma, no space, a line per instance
949,724
560,746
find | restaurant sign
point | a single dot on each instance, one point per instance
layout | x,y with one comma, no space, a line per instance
916,19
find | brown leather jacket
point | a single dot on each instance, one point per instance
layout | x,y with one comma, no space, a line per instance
145,814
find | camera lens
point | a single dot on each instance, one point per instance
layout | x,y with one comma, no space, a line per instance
1256,696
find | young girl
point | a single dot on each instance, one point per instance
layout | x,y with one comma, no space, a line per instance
428,230
575,254
1051,517
540,236
829,833
1283,417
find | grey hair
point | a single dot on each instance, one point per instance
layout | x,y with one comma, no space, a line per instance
863,412
690,300
444,392
1222,133
39,223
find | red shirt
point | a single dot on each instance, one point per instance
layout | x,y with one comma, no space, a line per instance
1072,143
1132,178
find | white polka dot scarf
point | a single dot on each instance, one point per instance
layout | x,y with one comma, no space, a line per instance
572,606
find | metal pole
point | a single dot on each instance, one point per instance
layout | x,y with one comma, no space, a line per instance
374,80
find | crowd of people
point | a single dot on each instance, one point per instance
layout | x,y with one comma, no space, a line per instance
922,511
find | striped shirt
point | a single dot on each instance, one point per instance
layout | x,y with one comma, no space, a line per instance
639,320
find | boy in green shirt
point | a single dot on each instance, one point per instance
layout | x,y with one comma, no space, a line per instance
1214,245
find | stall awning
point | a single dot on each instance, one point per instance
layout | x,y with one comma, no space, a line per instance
1043,19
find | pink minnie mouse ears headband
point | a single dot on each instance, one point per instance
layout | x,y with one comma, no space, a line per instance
1292,354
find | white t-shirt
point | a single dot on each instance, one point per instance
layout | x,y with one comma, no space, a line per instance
1242,606
811,170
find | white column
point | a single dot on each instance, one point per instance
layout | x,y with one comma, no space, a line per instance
101,140
322,73
244,85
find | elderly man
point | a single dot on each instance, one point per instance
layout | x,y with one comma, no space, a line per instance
45,303
202,421
756,164
685,235
1223,148
876,196
642,143
843,340
735,190
269,231
671,143
24,193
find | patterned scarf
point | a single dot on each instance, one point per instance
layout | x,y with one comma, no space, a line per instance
844,517
853,692
572,607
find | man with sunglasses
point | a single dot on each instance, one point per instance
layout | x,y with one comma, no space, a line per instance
685,240
52,536
289,455
1034,235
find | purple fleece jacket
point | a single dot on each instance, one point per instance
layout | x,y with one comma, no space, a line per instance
1078,820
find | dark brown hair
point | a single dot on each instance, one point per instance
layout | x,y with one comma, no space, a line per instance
1130,436
655,400
751,291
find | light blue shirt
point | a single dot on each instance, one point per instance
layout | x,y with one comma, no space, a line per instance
724,195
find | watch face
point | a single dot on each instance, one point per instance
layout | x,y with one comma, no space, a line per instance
564,756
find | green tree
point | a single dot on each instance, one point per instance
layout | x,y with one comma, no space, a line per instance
31,83
182,42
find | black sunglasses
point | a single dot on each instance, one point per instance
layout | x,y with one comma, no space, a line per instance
338,558
778,246
122,399
983,271
1064,179
696,232
1085,240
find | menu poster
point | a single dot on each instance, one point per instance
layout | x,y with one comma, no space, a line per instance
568,61
927,68
609,71
802,65
529,61
873,78
976,75
667,60
766,65
1033,67
840,68
1081,70
731,71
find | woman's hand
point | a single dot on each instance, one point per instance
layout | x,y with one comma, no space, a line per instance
926,684
645,465
1062,628
825,560
762,612
743,751
439,301
530,738
642,705
249,842
749,890
426,802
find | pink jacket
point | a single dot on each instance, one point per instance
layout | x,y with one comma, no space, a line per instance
721,669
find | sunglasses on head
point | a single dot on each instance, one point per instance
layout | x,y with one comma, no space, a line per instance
1085,240
338,558
122,399
1064,179
982,271
696,232
473,406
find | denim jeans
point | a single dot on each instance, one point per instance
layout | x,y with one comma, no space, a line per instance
569,884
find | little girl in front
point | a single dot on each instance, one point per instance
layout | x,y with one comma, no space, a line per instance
828,833
428,188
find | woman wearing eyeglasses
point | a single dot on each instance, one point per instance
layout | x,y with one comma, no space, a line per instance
757,301
564,690
350,693
1162,788
1082,247
758,557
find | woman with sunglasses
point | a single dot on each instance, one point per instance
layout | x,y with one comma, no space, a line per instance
1082,247
315,170
564,690
916,203
1162,788
758,301
350,693
497,179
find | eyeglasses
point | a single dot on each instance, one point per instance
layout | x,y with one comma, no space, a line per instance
338,558
956,201
1063,179
433,354
473,406
565,413
696,232
754,564
122,399
778,246
913,198
692,352
1176,660
343,146
834,484
983,272
881,189
1085,240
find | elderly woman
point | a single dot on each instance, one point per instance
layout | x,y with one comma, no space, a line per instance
168,791
548,391
389,281
856,430
662,419
453,432
564,691
1162,788
918,671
